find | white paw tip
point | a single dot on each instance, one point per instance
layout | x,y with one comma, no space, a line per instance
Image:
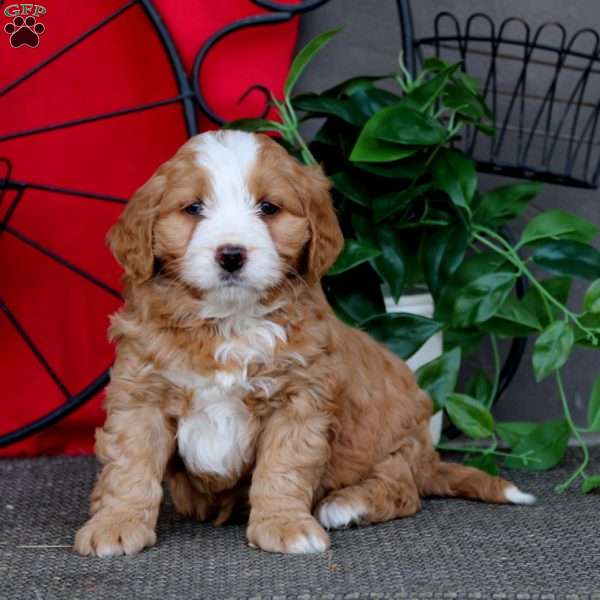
333,515
308,544
108,550
516,496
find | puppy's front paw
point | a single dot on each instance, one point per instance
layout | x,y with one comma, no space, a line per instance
111,535
296,534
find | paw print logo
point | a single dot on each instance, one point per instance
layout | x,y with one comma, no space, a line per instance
24,32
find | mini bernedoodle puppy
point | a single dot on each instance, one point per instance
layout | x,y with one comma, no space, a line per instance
234,380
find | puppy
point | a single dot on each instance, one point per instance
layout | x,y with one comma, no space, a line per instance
235,381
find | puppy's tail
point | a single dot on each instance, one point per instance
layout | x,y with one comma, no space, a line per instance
451,479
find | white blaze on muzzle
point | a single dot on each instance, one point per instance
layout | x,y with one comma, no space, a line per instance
230,218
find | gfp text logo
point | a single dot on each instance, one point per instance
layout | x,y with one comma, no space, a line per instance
25,28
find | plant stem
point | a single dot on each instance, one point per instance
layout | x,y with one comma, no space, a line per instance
511,255
494,344
309,159
580,471
422,223
562,487
404,78
480,450
516,260
290,130
429,159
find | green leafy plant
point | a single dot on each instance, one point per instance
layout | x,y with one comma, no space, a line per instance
413,218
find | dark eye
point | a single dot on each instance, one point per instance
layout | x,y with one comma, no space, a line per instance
195,209
268,208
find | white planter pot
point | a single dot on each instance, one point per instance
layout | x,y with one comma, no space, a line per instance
420,304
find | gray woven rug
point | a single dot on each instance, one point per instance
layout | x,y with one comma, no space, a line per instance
451,549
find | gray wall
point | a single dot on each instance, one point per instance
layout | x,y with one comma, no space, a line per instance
369,43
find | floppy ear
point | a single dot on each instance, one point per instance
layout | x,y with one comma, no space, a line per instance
130,239
326,239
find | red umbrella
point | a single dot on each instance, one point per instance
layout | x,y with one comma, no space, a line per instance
87,115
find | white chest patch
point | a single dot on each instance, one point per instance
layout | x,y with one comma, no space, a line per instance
216,438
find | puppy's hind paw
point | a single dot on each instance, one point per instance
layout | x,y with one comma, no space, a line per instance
336,513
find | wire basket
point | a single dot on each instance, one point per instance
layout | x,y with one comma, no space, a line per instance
541,84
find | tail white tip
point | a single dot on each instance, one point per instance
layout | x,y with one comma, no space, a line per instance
516,496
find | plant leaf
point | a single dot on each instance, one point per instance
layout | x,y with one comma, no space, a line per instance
454,174
435,64
390,264
341,313
591,300
370,100
438,377
471,83
304,57
514,319
389,133
476,291
593,415
368,148
352,187
488,129
442,252
356,305
558,287
470,416
353,254
571,258
319,105
402,333
558,224
365,231
480,387
356,84
512,432
590,321
590,484
458,97
253,125
407,168
424,95
467,339
482,297
545,444
484,462
389,204
505,203
403,124
552,349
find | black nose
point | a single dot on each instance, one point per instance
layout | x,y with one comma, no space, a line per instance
231,258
